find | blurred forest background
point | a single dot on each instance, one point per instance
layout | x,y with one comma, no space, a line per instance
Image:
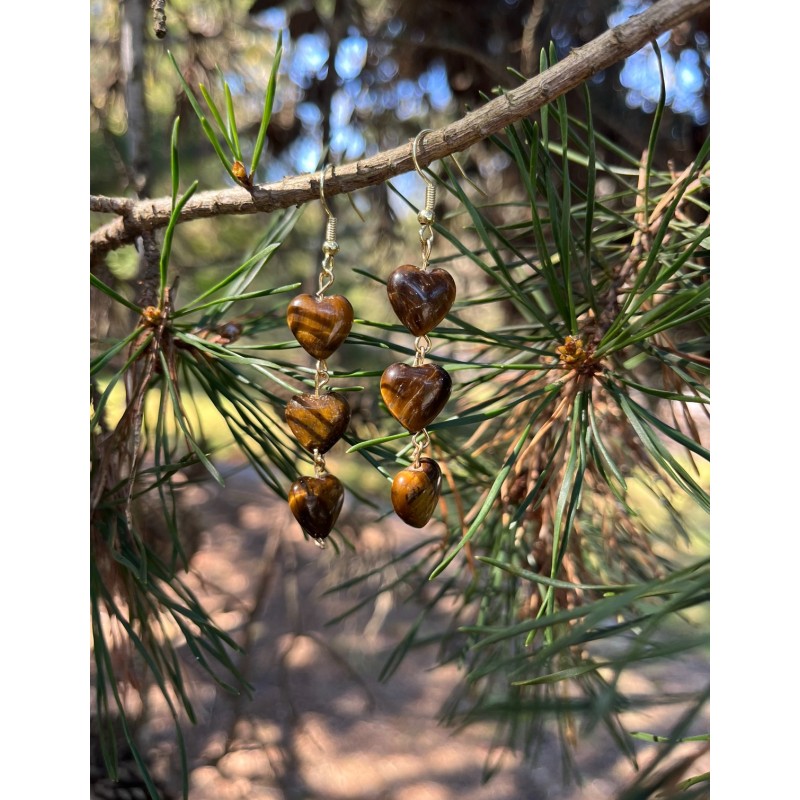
356,78
359,78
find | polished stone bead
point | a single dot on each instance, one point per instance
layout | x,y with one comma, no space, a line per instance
317,422
316,503
421,299
415,492
415,395
320,325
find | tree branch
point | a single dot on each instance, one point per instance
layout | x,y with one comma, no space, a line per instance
578,66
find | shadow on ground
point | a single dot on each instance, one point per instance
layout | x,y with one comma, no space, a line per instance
320,725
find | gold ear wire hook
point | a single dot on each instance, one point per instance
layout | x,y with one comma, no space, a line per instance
430,186
329,247
426,216
330,232
417,140
322,193
452,155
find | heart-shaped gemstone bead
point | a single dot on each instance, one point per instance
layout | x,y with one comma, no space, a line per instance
320,325
317,421
316,503
415,492
415,395
421,299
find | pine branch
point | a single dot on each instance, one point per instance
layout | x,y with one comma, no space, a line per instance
601,53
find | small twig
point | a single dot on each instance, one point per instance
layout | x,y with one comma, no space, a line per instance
159,18
528,60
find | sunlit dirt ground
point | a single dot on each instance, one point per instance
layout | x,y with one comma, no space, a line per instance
320,725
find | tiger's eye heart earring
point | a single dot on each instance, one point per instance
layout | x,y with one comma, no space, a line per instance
317,421
320,324
416,394
316,504
420,299
415,492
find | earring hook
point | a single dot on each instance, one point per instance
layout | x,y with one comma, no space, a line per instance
322,193
329,247
417,140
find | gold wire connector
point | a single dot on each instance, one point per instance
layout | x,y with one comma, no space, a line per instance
421,441
319,464
422,345
321,377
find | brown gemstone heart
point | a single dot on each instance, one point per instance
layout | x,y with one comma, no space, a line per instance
415,492
421,299
316,503
320,325
317,421
415,395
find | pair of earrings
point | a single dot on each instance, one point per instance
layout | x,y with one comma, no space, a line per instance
414,394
